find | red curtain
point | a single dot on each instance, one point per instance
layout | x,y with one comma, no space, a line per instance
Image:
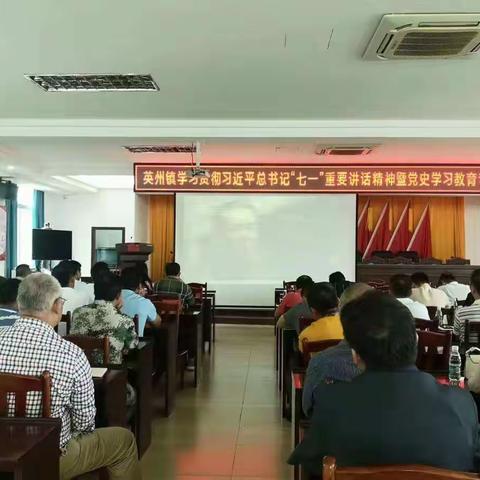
381,234
422,238
401,234
363,234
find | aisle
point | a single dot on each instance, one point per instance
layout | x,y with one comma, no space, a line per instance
230,427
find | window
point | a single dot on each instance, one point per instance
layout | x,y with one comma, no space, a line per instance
24,225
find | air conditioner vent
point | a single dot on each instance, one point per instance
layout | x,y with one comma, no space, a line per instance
344,149
192,148
424,36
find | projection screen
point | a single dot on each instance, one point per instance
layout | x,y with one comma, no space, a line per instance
245,245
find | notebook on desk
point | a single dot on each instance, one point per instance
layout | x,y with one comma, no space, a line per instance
98,372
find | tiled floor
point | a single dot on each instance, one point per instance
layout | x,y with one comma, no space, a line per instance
230,427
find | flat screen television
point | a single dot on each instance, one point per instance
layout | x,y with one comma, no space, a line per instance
51,244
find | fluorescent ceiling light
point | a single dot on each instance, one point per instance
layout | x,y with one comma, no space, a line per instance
106,181
74,183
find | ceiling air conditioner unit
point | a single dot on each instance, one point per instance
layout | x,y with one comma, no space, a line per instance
344,149
425,36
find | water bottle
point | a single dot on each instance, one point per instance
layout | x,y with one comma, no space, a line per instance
454,366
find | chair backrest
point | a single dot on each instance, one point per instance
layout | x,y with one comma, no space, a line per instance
472,334
429,358
157,297
290,285
432,312
92,346
169,308
310,348
20,385
431,325
199,291
391,472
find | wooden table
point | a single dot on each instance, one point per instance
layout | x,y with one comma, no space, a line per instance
209,329
110,399
190,336
30,448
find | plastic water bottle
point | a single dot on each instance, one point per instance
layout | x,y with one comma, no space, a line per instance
454,366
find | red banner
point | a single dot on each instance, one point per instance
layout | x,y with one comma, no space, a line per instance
151,178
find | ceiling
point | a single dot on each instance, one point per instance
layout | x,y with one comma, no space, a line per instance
256,81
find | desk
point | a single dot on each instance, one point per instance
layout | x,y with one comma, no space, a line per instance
190,337
110,399
30,448
140,366
211,295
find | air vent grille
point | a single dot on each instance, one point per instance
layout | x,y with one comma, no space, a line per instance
161,148
344,149
95,83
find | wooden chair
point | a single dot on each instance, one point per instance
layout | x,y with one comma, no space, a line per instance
92,345
430,325
310,348
199,291
391,472
20,385
429,358
472,334
432,312
290,286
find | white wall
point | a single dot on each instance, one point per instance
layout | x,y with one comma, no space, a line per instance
79,213
472,229
142,225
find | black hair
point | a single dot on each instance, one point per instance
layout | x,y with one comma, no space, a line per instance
130,278
475,280
339,282
63,274
381,330
9,291
99,269
77,266
446,277
323,298
142,270
303,281
401,286
108,287
172,269
23,270
419,278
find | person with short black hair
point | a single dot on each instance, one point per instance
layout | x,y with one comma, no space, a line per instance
323,301
292,299
455,291
134,303
426,294
401,289
339,282
8,302
22,271
99,269
74,299
103,318
173,284
470,313
392,413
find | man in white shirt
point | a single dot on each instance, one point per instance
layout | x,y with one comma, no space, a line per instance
73,298
79,285
401,289
424,293
471,313
454,290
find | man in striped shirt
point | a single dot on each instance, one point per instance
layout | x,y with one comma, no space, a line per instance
471,313
173,284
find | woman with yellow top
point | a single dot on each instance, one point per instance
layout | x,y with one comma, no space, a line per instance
323,301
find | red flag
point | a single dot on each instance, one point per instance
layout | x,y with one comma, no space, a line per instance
421,241
381,234
363,235
401,235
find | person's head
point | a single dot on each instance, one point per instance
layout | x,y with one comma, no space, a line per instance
131,279
23,271
322,299
172,269
9,292
339,282
109,289
446,278
381,332
353,292
99,269
77,268
303,283
64,275
40,297
401,286
475,283
420,278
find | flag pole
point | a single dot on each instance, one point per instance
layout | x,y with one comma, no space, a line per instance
377,226
397,228
415,233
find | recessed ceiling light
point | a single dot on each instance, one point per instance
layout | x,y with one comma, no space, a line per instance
95,83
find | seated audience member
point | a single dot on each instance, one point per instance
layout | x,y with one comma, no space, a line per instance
290,320
73,298
22,271
470,313
103,318
146,281
323,301
8,302
401,289
339,282
392,413
335,364
79,285
30,347
291,299
172,283
135,304
469,300
424,293
455,291
96,272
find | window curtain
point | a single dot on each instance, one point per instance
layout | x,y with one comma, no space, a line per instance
162,233
447,219
38,216
11,262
